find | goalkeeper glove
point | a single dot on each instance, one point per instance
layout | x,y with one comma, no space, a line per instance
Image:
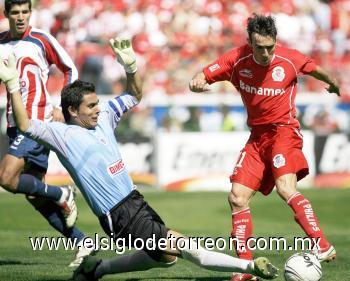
125,54
9,74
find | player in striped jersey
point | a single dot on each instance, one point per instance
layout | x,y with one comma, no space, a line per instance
24,166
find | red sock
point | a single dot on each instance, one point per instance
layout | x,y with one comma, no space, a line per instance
242,229
305,217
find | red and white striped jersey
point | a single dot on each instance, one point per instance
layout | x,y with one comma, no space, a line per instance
35,52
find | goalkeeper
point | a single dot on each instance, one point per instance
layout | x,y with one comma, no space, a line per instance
87,147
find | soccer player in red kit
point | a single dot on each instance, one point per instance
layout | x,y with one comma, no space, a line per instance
265,74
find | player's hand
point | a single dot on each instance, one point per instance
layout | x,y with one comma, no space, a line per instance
125,53
9,74
334,88
57,115
198,83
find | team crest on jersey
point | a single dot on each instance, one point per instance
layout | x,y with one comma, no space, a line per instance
214,67
278,74
279,161
115,168
246,73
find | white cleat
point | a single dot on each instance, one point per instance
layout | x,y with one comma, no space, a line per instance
68,206
81,253
327,255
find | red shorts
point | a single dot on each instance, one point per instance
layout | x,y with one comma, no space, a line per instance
271,151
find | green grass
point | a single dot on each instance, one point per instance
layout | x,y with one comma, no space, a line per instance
200,214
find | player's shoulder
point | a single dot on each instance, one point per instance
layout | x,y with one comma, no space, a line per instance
40,34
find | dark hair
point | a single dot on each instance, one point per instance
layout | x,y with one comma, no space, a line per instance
72,95
262,25
9,3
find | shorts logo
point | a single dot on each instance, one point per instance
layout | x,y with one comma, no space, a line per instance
246,73
279,161
278,74
115,168
214,67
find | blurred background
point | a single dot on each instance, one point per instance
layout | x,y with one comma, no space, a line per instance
177,140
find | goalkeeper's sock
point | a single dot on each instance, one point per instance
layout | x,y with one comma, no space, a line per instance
213,260
242,229
53,214
32,186
305,217
136,261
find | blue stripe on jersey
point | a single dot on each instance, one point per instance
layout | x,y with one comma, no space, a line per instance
122,105
112,105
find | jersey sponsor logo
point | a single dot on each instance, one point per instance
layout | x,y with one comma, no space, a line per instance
246,73
116,167
214,67
278,74
260,90
279,161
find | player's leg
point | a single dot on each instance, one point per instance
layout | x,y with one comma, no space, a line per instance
242,226
288,165
304,215
13,165
246,179
94,268
188,249
23,154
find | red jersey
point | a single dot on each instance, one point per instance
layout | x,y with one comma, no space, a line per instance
268,92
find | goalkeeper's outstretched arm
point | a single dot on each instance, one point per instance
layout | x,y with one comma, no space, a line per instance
9,75
127,58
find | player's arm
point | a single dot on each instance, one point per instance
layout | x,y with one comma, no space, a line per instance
220,70
56,54
320,74
10,76
119,105
125,54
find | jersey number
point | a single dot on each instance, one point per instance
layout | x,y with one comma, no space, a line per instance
18,140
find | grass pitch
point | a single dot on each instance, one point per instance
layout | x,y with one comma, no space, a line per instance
196,214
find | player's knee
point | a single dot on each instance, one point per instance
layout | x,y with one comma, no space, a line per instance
8,180
237,200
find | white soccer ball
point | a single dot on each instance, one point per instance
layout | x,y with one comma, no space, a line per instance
302,267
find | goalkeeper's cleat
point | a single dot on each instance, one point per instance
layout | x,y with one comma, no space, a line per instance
244,277
82,252
86,270
325,255
264,269
68,206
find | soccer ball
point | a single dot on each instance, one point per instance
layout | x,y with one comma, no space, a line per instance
302,267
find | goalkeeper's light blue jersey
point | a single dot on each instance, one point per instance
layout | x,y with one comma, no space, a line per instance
91,156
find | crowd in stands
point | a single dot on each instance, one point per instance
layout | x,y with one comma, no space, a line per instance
175,38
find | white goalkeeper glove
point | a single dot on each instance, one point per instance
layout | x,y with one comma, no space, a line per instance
125,53
9,74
